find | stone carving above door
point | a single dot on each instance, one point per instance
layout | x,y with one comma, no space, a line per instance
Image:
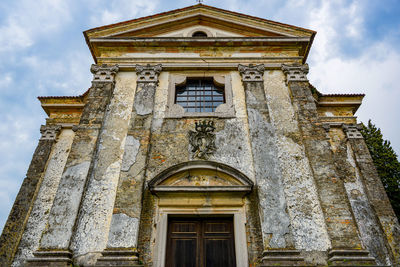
200,176
202,140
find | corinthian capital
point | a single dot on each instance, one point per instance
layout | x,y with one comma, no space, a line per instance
104,73
148,73
295,72
352,131
251,73
49,132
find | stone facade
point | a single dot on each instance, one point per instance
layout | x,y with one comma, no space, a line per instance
284,161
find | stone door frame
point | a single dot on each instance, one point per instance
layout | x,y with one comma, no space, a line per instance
239,226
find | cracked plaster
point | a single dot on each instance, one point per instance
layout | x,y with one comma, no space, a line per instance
307,221
98,203
40,211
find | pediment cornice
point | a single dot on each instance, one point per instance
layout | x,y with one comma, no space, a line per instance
200,176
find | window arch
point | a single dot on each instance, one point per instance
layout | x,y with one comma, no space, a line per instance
199,34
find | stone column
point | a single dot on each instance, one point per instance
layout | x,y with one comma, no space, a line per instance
341,227
272,203
55,241
22,207
124,231
376,196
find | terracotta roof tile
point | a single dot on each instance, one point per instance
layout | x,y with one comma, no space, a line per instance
343,95
79,96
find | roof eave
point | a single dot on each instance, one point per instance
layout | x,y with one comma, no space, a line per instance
309,47
199,6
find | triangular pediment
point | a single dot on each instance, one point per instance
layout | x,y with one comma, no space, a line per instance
183,27
177,23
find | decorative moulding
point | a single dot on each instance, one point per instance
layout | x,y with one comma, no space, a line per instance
49,132
225,110
252,73
148,73
202,140
230,179
104,73
352,131
295,72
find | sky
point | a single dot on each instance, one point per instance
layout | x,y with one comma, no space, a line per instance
43,52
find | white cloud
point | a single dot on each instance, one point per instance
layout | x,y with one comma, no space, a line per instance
5,79
30,19
375,72
120,10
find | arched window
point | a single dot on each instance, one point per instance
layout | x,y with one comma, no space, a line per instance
199,34
200,95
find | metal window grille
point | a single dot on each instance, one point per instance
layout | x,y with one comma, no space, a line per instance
199,95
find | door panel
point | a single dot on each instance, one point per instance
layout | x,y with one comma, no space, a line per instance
219,252
184,252
200,242
183,243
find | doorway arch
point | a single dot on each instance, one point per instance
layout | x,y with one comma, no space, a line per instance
198,189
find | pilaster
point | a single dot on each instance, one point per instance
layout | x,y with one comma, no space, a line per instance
341,227
22,207
382,209
56,239
307,222
97,205
40,211
275,221
122,245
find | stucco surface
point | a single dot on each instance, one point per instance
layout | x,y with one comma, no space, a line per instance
306,219
98,203
40,211
371,234
274,218
65,209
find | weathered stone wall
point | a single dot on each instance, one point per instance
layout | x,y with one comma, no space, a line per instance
124,223
170,146
340,223
315,190
371,235
41,208
59,231
128,204
306,219
268,175
20,212
96,210
378,202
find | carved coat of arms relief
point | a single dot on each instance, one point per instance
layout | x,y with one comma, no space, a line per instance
202,140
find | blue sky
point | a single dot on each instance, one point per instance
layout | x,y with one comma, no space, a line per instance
43,52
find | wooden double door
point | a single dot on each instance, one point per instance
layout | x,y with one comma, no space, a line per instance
200,242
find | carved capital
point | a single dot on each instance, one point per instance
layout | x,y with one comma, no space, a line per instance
295,72
49,132
327,127
104,73
148,73
352,131
251,73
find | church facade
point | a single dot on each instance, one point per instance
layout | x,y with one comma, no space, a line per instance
201,142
